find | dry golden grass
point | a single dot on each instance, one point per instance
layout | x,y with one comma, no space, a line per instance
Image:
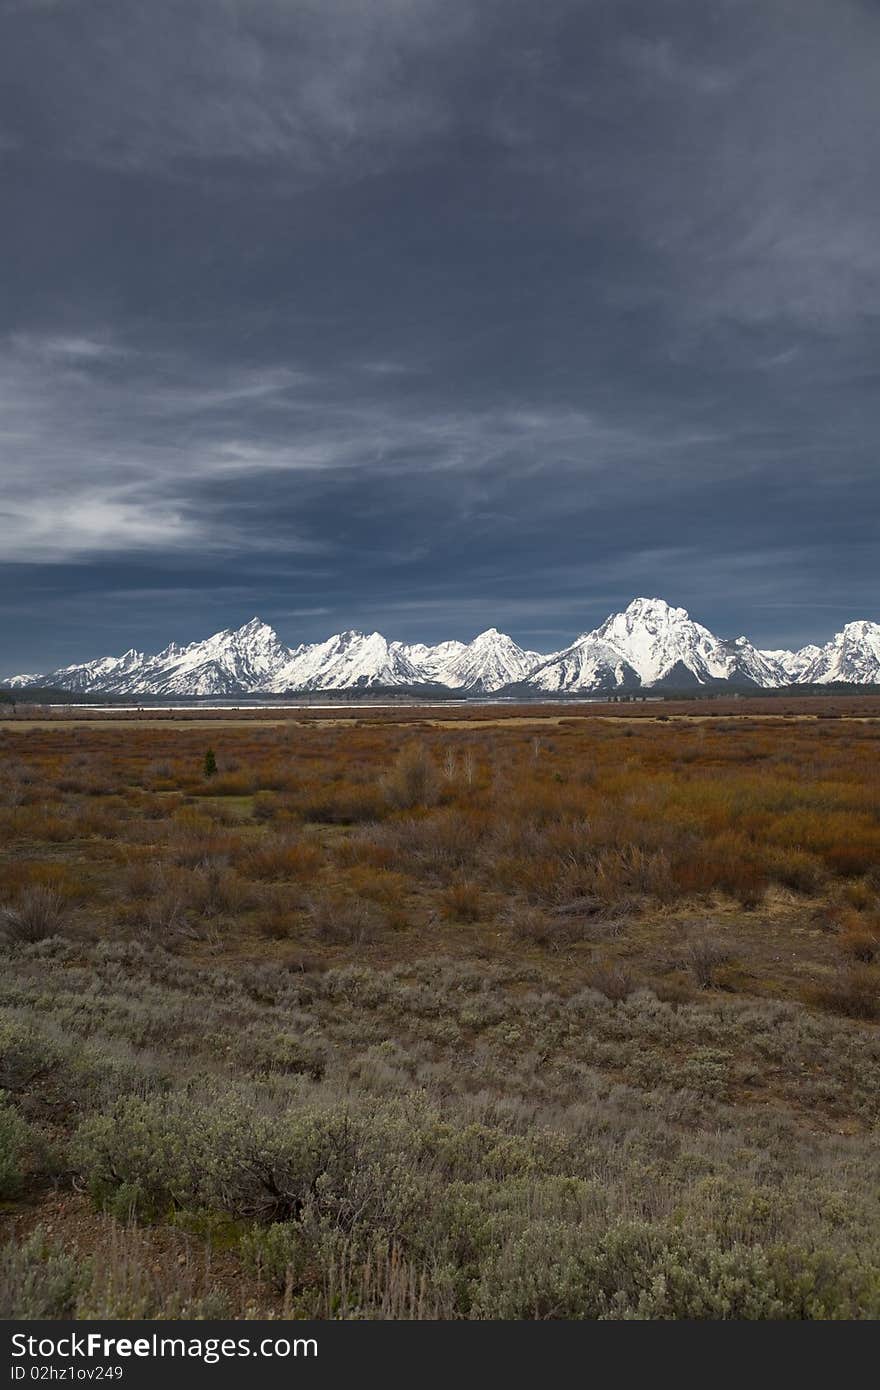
467,834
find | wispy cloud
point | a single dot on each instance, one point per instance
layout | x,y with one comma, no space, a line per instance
50,529
133,458
75,349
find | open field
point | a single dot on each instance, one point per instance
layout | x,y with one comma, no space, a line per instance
783,705
514,1012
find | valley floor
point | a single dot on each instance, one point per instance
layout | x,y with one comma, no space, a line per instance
401,1017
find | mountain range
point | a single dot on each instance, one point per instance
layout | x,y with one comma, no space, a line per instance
649,645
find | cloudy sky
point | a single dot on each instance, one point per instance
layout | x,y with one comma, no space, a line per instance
427,315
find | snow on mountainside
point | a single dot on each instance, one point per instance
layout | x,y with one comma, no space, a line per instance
488,663
792,664
104,674
852,655
588,664
437,662
653,638
23,681
350,660
353,659
649,644
229,661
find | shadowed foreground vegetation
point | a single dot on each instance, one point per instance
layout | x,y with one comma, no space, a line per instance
491,1020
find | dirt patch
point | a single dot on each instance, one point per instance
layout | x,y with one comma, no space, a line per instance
159,1253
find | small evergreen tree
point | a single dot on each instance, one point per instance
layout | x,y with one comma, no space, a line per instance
210,763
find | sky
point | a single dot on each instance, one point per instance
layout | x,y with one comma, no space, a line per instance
434,315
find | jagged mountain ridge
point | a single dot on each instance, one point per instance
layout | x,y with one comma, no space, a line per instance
852,656
650,644
488,663
252,660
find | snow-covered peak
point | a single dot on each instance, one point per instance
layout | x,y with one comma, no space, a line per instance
780,654
22,681
652,643
254,634
423,655
861,631
654,610
588,664
231,660
852,656
790,665
654,638
488,663
100,674
348,660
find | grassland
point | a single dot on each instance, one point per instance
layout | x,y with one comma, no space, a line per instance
519,1013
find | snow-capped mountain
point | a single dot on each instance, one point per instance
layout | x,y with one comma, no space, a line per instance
437,662
229,661
106,673
23,681
242,659
852,655
588,664
252,660
648,644
348,661
793,664
651,644
357,660
488,663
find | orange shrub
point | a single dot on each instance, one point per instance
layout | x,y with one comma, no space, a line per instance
70,884
278,923
729,863
413,780
858,857
283,859
855,993
345,804
363,848
859,937
463,902
341,918
378,884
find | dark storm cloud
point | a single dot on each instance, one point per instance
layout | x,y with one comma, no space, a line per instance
428,315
